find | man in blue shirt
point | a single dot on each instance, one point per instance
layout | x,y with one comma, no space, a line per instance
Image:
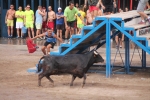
59,22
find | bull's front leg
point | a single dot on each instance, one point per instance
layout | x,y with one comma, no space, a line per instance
84,78
48,77
73,78
39,79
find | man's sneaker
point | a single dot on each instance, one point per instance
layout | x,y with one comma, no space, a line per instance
141,22
148,20
66,41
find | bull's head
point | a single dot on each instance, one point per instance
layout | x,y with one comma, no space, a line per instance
98,57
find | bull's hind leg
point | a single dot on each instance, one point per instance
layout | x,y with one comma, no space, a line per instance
48,77
73,78
39,79
84,78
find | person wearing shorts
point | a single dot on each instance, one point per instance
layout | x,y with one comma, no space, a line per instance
19,22
140,9
29,20
93,7
39,20
9,20
80,19
59,22
69,19
44,24
51,18
50,40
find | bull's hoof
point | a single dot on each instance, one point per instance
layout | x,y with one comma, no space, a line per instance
83,85
71,85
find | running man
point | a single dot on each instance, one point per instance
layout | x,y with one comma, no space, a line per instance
108,6
93,7
19,22
140,9
50,40
39,20
51,18
29,20
69,19
9,20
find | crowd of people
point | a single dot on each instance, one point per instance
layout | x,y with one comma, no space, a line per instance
73,19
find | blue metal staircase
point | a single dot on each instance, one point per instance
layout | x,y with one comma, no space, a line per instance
101,27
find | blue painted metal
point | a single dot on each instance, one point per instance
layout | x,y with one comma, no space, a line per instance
47,4
24,3
40,3
108,49
130,37
32,4
8,4
127,55
17,5
143,56
55,5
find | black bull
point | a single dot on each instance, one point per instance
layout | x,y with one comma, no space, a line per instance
75,64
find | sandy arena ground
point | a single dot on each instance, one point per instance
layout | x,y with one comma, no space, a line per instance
17,84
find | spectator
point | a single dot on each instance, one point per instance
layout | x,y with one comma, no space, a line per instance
80,19
69,19
77,5
19,22
44,24
93,7
50,40
9,20
108,6
88,17
59,22
140,9
29,20
51,18
39,20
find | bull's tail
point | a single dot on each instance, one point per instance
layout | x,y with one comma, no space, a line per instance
39,66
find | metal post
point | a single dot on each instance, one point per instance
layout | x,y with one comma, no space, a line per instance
17,4
124,4
66,2
1,16
108,50
24,3
40,3
32,4
8,4
127,55
143,56
79,2
59,3
55,5
47,4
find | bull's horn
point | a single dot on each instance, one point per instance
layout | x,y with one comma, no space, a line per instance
95,53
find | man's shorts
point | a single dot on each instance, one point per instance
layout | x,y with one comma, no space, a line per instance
59,26
50,25
38,26
80,25
119,35
92,8
29,24
71,24
47,43
141,5
44,24
10,22
108,8
19,25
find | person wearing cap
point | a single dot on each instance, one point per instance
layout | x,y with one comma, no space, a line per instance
39,20
29,20
51,18
44,24
59,22
50,40
19,22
